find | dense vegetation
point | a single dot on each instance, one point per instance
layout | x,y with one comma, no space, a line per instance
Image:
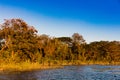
20,42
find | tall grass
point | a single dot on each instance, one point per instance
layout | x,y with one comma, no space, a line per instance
29,66
25,66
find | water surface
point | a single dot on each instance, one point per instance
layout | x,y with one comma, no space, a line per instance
88,72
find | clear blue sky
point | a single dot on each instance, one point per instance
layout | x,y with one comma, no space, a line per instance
94,19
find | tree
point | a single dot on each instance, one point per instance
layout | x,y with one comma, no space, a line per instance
78,38
19,38
77,43
65,39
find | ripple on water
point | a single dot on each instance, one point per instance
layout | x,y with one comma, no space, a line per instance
90,72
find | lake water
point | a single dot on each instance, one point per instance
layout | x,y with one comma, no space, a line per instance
89,72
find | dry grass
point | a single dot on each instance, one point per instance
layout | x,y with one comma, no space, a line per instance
28,66
24,66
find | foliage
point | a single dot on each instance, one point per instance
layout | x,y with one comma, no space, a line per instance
20,42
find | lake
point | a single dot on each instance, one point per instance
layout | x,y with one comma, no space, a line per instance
86,72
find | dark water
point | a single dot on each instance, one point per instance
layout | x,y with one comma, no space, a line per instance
90,72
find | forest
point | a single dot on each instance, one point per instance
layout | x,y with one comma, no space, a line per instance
20,42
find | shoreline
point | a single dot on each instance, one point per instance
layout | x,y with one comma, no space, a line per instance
28,66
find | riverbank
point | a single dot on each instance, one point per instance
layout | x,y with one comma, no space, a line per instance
24,66
29,66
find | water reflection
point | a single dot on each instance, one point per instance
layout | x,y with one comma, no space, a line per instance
19,76
91,72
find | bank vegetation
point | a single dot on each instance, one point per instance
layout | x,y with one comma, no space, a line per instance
21,48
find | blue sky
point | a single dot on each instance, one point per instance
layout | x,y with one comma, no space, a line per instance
94,19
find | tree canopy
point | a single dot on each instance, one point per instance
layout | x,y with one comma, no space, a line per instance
20,42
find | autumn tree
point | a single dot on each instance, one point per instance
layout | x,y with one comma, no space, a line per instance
20,42
76,37
77,43
19,38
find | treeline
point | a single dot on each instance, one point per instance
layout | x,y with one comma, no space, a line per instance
20,42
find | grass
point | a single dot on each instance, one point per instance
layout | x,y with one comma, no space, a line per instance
29,66
24,66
